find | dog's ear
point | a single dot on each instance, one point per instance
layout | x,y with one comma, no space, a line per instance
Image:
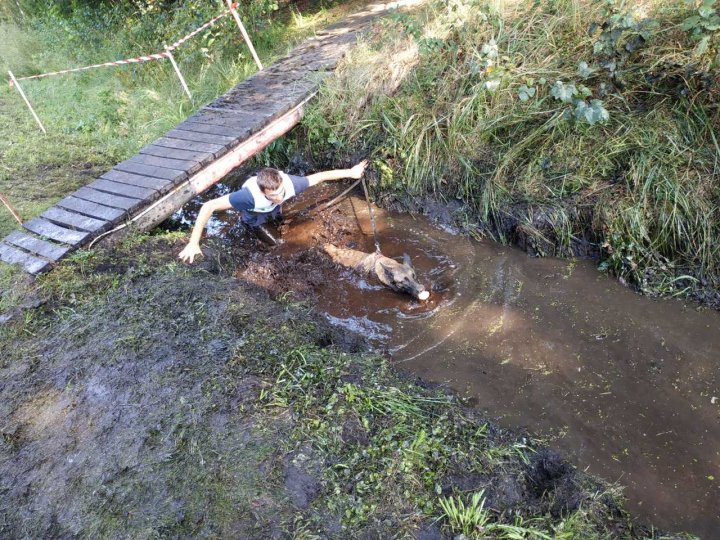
386,274
407,261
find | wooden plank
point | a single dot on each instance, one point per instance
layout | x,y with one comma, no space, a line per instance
54,232
36,246
259,107
201,137
106,199
227,131
173,175
87,208
124,190
186,165
226,118
30,263
158,184
74,221
178,153
167,142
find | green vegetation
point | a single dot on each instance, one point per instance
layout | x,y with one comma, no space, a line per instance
570,126
185,403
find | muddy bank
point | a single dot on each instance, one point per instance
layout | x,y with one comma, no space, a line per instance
185,403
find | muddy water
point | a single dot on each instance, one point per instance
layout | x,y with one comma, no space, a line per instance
627,386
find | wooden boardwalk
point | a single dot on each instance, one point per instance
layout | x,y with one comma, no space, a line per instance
165,174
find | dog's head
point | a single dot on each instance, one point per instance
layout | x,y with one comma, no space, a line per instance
400,277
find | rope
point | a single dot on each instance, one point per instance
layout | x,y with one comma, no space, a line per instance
198,30
137,59
372,216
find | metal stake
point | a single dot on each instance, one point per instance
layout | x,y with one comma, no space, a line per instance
244,34
27,102
177,70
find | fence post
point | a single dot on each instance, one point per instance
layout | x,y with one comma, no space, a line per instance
244,33
19,88
177,70
9,206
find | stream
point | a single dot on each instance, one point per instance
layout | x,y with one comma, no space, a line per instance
627,386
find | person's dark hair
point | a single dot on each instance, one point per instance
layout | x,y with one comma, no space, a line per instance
269,179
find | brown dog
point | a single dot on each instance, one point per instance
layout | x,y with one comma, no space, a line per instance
398,276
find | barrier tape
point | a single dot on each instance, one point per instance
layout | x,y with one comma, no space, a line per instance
197,31
136,60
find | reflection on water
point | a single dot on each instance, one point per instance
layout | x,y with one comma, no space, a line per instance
626,385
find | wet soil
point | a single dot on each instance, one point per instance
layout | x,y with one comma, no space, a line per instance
627,385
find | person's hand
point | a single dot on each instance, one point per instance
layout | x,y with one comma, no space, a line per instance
358,170
190,252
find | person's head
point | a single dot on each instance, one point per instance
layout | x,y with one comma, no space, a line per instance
270,182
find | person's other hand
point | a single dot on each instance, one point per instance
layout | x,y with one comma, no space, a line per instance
189,253
358,170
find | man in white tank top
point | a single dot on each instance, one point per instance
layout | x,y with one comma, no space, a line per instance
260,200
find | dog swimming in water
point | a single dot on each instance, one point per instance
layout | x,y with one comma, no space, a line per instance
398,276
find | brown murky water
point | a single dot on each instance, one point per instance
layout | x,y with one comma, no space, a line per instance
627,386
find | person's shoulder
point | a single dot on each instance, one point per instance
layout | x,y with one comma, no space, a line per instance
242,199
300,183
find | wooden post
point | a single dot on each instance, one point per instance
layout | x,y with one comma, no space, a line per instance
19,88
244,33
177,70
9,206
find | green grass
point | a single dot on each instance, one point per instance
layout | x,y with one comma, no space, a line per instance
479,117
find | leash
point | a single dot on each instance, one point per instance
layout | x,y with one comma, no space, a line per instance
372,215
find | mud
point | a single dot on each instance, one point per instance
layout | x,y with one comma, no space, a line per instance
139,412
115,418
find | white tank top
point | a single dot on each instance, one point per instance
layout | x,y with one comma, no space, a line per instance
262,203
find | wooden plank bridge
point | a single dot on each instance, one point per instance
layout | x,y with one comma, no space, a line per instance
147,188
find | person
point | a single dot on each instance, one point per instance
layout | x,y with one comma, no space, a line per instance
260,200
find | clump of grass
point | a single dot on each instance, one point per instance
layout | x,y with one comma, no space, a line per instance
563,122
473,520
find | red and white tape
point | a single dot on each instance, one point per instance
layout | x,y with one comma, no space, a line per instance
137,59
198,30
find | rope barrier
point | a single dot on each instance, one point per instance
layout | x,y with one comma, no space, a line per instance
137,59
14,82
198,30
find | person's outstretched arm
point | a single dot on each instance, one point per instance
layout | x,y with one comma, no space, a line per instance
193,248
356,172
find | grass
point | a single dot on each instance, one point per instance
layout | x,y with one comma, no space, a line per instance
620,155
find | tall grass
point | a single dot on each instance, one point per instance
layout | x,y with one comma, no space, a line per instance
481,117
